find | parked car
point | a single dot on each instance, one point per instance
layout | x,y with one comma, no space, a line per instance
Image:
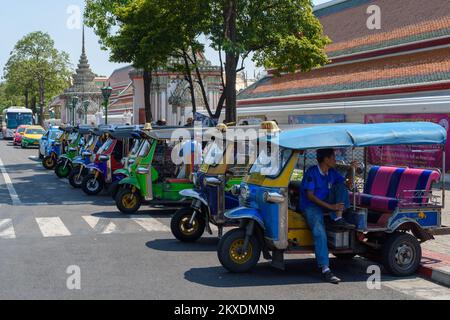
17,140
32,136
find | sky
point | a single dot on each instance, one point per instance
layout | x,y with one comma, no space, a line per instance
59,18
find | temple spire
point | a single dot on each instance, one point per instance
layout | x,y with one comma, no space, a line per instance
83,50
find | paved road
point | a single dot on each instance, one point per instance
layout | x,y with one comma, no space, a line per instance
46,227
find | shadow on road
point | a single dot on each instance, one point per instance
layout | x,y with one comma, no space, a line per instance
207,244
301,271
155,213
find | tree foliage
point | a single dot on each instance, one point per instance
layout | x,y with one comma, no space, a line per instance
282,35
36,68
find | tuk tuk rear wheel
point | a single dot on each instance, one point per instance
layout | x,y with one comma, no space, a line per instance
61,171
401,254
127,201
180,225
49,163
229,251
92,185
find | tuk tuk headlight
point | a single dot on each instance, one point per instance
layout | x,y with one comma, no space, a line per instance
273,197
245,192
235,190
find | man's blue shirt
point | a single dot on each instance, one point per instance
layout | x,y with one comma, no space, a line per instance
319,183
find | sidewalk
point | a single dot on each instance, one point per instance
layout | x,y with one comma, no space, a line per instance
436,253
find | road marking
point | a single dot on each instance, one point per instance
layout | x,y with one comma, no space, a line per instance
7,229
52,227
12,192
102,226
151,224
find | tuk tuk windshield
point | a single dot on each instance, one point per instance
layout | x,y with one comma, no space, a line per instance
271,164
54,135
214,154
145,148
73,136
105,146
135,148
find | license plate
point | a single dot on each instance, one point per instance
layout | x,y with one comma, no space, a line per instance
37,142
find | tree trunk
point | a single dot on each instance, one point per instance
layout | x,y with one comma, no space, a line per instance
41,102
191,83
147,92
33,104
27,104
202,85
230,62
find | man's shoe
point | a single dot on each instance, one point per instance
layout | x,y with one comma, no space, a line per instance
341,223
330,277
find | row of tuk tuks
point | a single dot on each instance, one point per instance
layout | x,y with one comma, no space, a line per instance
394,208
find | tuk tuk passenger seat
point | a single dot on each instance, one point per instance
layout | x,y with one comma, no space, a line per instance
387,188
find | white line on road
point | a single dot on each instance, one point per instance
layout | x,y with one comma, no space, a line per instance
52,227
102,226
12,192
7,229
151,224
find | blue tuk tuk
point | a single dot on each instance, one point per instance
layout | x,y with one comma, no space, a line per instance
394,209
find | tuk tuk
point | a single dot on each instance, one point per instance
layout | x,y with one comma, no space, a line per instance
226,162
394,209
75,142
52,134
108,159
56,148
94,140
152,179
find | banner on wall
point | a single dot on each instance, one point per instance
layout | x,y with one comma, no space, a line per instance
411,156
316,118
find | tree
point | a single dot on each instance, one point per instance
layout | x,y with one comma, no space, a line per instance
6,99
36,65
283,35
147,33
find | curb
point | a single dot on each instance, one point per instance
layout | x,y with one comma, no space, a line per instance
435,267
435,275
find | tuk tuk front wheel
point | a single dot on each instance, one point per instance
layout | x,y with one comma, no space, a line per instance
75,178
401,254
127,201
61,171
181,227
49,163
92,185
231,255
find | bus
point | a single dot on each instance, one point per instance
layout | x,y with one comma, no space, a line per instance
12,118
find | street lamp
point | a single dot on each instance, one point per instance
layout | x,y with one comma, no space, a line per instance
106,92
85,105
74,104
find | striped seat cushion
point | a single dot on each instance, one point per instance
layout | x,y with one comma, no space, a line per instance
386,187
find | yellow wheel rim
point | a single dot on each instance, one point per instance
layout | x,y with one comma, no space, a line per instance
49,162
129,201
183,226
236,256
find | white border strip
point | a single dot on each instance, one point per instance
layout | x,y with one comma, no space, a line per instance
12,192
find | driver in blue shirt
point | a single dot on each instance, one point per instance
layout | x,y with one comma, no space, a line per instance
322,191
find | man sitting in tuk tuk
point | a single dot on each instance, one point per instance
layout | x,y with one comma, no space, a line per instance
323,191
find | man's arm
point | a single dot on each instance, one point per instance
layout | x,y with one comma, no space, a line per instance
323,204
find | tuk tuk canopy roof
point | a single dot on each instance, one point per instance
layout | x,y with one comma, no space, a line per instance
362,135
126,132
